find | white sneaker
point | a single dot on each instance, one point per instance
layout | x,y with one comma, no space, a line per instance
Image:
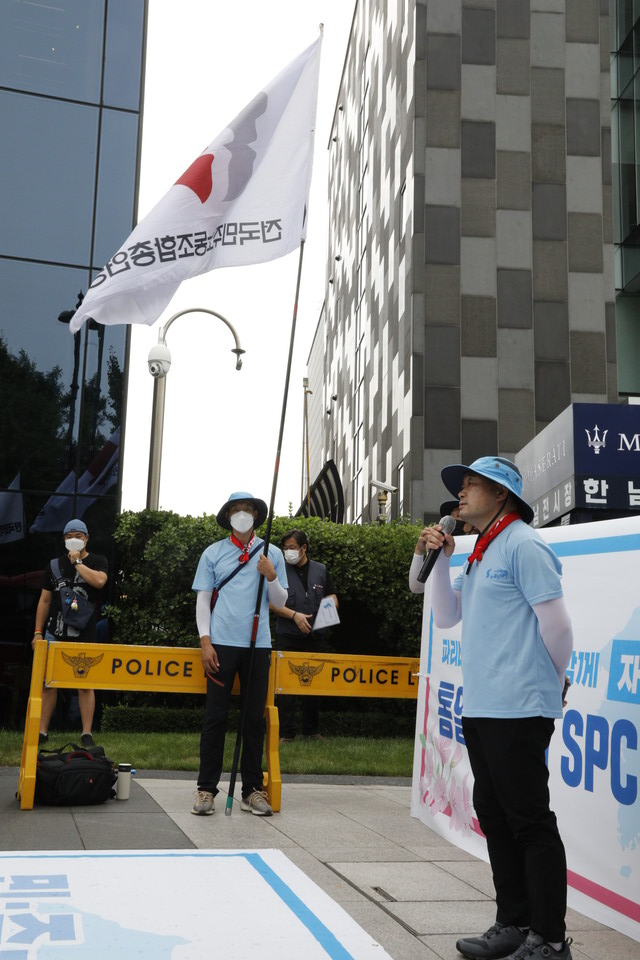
258,803
204,804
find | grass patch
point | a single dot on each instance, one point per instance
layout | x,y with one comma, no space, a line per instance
356,756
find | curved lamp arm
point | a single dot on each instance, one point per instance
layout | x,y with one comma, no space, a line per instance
237,349
159,367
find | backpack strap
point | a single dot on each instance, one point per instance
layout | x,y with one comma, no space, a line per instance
57,572
241,566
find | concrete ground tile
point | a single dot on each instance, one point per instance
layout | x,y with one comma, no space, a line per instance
382,853
239,831
604,945
476,873
578,921
437,849
335,886
406,881
147,831
396,828
442,945
458,918
399,943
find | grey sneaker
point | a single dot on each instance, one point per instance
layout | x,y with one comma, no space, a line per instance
204,804
258,803
498,941
86,740
535,948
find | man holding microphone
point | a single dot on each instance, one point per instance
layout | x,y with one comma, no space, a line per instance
516,645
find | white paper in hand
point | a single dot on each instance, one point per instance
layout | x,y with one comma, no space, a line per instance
327,615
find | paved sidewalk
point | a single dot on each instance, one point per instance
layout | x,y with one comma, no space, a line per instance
406,886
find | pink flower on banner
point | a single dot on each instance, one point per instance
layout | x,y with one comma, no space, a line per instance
461,810
442,748
457,756
439,800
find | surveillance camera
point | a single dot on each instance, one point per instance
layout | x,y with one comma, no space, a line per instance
384,486
159,360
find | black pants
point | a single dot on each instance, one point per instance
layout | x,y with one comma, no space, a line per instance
287,715
511,798
235,660
315,642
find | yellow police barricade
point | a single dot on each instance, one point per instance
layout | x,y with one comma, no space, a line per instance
124,667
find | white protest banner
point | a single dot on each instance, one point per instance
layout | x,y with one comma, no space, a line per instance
594,757
120,904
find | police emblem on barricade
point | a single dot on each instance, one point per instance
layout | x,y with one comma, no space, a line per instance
597,441
81,664
305,672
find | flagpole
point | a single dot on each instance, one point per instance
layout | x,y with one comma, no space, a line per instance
267,538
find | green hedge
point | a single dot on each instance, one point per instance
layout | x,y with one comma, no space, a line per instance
159,552
357,718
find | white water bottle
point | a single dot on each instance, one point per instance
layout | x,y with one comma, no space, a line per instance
124,781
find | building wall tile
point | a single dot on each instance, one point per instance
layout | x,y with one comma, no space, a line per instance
514,298
513,180
478,210
551,330
478,334
549,211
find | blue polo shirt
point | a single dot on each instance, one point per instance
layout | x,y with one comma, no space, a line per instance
506,669
232,617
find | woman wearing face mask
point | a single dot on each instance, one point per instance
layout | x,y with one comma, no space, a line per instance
309,584
87,574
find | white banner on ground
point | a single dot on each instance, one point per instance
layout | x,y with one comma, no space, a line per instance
171,905
594,757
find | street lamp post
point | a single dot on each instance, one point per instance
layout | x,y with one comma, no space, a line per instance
159,361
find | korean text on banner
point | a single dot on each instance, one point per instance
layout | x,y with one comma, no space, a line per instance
242,201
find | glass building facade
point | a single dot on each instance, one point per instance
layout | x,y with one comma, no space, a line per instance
71,79
624,31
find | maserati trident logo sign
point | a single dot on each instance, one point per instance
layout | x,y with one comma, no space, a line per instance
597,441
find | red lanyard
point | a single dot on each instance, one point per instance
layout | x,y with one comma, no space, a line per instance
483,541
243,547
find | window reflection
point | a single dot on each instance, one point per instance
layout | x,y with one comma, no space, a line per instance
53,48
125,20
48,178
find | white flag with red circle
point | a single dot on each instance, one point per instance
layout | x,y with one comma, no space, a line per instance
242,201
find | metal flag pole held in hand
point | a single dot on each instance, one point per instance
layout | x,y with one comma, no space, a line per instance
267,538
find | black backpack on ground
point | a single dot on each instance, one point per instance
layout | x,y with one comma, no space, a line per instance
73,776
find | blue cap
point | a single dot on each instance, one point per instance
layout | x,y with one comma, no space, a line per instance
259,505
76,526
498,469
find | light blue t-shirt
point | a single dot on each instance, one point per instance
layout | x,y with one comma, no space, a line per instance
506,669
232,616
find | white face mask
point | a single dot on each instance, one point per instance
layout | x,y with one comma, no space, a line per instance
74,543
242,521
292,556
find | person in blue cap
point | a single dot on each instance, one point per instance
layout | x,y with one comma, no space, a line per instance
232,568
516,644
86,573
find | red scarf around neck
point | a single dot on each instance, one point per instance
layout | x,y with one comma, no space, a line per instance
243,547
485,539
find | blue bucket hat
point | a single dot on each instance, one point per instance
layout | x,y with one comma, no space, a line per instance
259,505
498,469
75,526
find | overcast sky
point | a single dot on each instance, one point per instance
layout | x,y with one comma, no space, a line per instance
205,61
